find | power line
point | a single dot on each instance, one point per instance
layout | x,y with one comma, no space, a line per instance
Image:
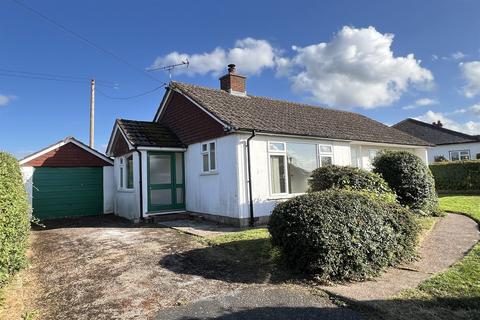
84,39
20,73
131,97
48,79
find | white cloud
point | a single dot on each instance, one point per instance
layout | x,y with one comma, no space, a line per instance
475,109
357,68
471,73
421,103
458,55
250,55
469,127
5,100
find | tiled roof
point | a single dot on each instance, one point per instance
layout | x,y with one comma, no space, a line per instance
283,117
434,134
149,134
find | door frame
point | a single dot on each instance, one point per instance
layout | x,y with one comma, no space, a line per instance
175,206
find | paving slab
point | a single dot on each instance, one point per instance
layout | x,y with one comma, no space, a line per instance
448,242
199,228
261,302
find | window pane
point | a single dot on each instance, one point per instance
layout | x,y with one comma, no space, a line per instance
464,155
129,169
325,149
121,177
454,156
277,167
213,164
160,169
302,160
276,146
161,197
179,167
204,148
180,195
205,163
326,161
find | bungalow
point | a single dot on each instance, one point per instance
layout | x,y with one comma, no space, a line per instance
230,156
449,144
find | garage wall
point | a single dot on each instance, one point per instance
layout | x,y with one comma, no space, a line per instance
27,175
108,189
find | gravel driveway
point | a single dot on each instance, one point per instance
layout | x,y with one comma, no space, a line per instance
108,268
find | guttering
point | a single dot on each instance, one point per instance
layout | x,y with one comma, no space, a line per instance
250,193
141,181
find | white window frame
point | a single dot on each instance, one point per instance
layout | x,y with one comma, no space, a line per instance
467,151
208,152
122,173
282,153
324,154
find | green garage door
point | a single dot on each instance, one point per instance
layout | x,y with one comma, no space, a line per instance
66,192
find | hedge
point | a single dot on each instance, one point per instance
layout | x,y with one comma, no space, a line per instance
14,217
343,234
457,175
410,178
342,177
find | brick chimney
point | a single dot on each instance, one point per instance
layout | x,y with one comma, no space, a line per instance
438,124
232,82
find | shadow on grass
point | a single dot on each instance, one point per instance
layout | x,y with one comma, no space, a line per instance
242,261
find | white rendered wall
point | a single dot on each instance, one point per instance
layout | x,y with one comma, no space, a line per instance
213,193
108,189
126,202
363,158
445,150
27,176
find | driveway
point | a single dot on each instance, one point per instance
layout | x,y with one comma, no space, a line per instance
107,268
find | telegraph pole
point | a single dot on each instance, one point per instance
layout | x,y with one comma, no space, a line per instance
92,112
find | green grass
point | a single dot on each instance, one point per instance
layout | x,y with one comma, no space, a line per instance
453,294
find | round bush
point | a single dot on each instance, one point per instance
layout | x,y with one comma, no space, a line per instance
341,177
342,234
410,178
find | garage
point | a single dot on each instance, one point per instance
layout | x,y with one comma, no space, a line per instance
68,179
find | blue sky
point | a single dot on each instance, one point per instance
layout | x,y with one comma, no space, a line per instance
345,54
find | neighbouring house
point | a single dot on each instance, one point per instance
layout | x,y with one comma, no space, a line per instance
68,179
449,144
230,156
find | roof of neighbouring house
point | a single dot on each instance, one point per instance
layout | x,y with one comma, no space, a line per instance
284,117
148,134
433,133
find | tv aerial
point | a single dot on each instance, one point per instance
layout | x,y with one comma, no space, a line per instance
171,67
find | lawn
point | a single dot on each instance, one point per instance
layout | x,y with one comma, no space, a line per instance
453,294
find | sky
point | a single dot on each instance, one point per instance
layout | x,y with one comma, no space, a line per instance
388,60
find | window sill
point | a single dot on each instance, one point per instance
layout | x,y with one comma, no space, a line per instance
126,190
211,173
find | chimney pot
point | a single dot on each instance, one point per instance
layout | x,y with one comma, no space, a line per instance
232,82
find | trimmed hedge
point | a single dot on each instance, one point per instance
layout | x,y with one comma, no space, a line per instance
457,175
14,217
343,234
410,178
347,178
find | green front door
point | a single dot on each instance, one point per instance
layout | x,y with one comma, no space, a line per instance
166,182
65,192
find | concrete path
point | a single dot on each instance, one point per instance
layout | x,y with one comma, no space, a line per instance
449,241
199,228
262,303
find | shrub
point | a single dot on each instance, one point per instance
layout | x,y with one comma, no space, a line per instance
457,175
410,178
342,234
440,159
14,217
347,178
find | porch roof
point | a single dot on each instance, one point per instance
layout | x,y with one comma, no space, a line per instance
149,134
